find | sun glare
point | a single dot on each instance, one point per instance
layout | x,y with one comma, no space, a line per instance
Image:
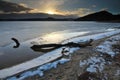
50,12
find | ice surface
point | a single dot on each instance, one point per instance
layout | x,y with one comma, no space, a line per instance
50,56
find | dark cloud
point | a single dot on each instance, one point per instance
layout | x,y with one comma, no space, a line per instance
71,6
6,6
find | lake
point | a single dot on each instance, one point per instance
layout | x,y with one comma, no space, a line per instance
40,32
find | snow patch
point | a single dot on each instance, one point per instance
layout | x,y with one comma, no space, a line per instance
110,29
94,64
106,47
117,73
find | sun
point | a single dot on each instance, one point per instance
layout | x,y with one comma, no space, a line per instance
50,12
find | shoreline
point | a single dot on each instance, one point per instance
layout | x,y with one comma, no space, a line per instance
32,55
76,68
67,66
107,34
24,53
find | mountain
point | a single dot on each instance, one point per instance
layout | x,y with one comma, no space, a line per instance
34,16
99,16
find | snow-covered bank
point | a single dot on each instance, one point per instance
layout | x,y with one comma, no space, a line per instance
97,63
93,64
49,56
106,47
94,36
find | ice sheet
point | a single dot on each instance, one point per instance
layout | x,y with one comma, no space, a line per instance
49,56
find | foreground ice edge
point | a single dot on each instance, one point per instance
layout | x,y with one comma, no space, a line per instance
49,56
40,70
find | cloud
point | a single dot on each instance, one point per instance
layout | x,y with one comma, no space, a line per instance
78,12
22,4
55,6
1,12
6,7
51,3
94,6
1,53
82,11
46,5
104,9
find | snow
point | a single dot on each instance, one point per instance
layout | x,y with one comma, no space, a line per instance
106,47
97,63
110,29
50,56
40,70
73,49
118,72
95,36
94,64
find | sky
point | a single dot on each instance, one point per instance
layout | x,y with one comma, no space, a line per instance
66,7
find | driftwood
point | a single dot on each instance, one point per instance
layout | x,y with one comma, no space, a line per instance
81,44
17,43
46,47
49,47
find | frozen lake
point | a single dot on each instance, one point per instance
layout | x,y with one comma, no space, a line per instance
40,32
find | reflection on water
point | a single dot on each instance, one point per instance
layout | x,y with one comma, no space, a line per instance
58,37
53,38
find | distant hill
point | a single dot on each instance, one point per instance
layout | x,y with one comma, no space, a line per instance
99,16
34,16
